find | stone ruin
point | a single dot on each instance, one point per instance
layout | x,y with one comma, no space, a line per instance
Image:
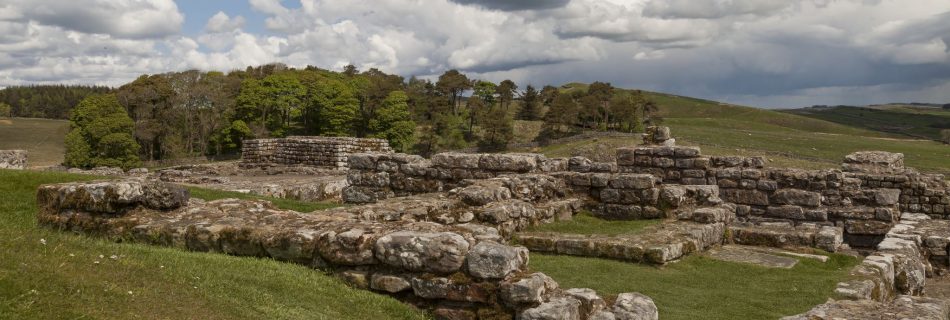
437,232
324,152
13,159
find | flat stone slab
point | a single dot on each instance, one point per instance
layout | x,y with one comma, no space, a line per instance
742,254
658,244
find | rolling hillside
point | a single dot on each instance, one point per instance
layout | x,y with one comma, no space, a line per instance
787,139
909,120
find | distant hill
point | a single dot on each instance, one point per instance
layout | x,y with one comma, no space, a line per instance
786,138
914,120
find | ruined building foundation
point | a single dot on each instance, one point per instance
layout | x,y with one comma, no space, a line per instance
437,231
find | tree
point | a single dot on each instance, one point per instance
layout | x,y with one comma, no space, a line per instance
393,122
561,116
6,110
602,91
338,108
506,92
101,135
529,104
498,130
453,83
483,95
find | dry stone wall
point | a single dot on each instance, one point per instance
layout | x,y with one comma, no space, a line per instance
459,271
375,176
328,152
13,159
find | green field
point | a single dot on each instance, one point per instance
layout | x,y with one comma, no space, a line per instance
48,274
785,139
907,120
698,287
42,138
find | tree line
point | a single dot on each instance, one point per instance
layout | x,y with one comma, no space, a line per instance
194,113
44,101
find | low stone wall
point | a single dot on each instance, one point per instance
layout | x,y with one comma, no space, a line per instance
329,152
461,271
13,159
375,176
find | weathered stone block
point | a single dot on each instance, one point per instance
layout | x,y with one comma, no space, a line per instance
797,197
441,252
495,261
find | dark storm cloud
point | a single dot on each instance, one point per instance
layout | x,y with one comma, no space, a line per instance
515,5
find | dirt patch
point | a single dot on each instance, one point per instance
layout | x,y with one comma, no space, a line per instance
6,122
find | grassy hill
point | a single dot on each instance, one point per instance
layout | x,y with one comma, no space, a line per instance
42,138
908,120
49,274
786,139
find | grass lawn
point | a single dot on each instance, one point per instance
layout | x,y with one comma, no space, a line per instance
46,274
584,223
44,139
703,288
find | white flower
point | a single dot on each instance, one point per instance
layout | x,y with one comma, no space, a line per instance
43,241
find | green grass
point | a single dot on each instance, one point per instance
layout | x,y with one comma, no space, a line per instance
727,135
584,223
60,279
787,139
288,204
43,139
907,120
703,288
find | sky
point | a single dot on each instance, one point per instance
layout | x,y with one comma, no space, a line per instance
765,53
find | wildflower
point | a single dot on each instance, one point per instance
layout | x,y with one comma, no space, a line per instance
43,241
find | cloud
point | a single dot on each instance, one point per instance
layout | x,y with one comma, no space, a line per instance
769,53
711,9
121,19
221,22
506,5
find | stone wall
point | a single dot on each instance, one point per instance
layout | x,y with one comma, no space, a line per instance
866,200
13,159
459,271
328,152
375,176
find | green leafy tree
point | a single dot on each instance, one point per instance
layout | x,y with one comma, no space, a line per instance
602,92
561,116
453,83
393,121
530,102
498,129
274,100
506,92
339,108
6,110
101,135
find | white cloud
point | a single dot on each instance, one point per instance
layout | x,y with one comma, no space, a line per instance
119,18
769,52
221,22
